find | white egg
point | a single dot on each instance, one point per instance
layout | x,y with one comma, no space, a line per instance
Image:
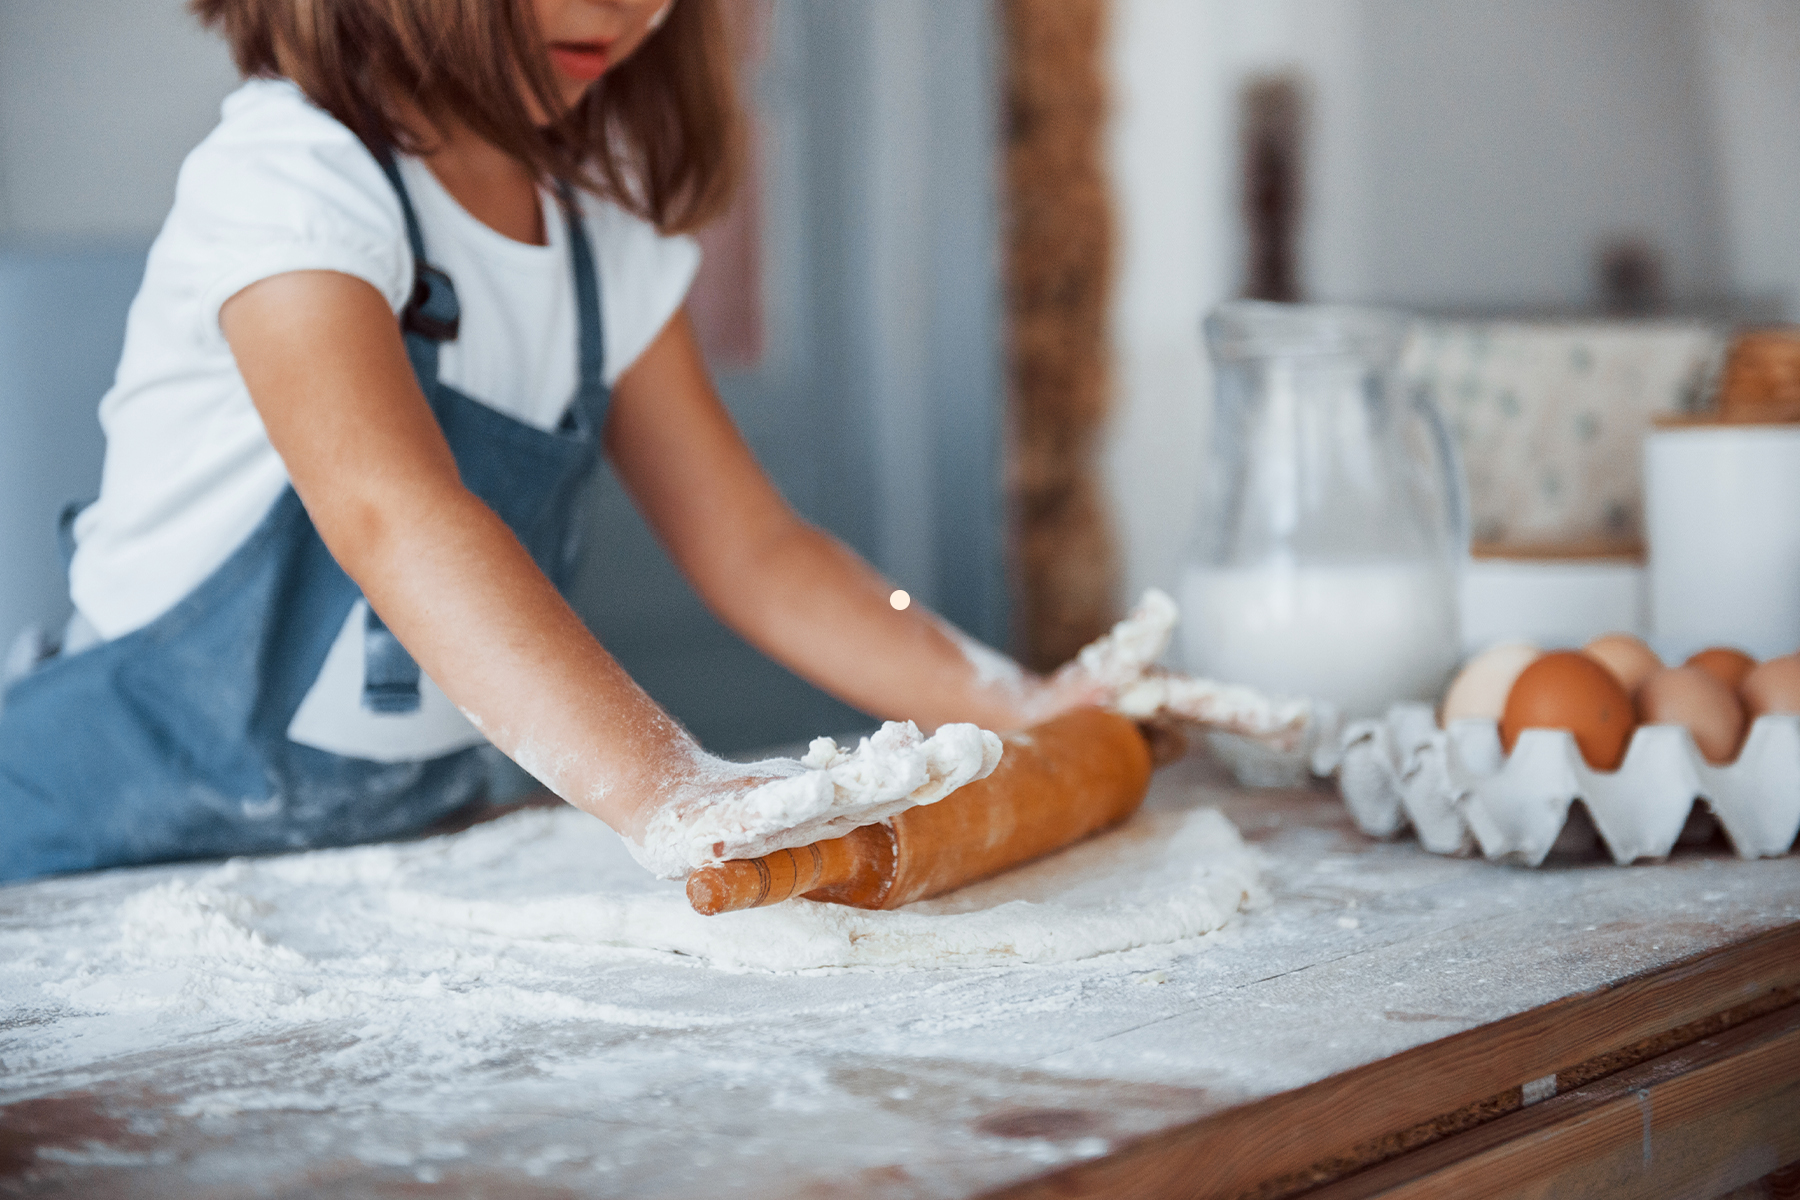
1481,687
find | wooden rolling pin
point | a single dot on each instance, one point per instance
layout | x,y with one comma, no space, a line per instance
1056,783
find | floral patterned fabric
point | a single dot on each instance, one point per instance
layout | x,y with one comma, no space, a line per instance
1551,417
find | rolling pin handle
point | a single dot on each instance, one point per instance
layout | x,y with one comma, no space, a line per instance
755,882
854,869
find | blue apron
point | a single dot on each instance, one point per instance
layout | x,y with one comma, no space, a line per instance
171,741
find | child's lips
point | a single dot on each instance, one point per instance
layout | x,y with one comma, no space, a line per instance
584,61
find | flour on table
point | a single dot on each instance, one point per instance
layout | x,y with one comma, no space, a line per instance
1160,878
323,933
823,795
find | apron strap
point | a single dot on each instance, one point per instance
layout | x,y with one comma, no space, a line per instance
592,396
432,315
65,529
415,237
390,676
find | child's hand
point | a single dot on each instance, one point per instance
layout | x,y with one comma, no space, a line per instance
1119,672
722,810
656,838
1094,678
1097,677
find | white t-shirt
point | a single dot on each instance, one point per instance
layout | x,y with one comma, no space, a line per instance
281,186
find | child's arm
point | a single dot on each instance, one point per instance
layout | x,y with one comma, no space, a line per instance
789,588
327,370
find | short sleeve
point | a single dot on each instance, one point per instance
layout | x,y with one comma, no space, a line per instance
644,280
280,186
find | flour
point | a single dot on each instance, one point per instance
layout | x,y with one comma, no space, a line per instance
992,668
548,1064
1231,708
498,995
453,926
826,794
1161,878
392,975
1121,667
1120,658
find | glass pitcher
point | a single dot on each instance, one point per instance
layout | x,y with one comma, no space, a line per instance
1328,556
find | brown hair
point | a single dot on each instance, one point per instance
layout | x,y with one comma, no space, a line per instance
660,134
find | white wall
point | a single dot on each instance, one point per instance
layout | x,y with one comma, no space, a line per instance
99,102
62,320
1752,50
1463,155
1177,67
1167,143
1506,140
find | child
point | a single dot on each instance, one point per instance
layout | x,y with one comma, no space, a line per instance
426,268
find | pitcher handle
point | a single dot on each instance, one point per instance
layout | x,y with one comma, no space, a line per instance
1456,493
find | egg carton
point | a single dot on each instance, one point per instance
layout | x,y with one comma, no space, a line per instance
1461,792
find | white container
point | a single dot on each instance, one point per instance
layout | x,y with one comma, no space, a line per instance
1722,514
1553,602
1461,793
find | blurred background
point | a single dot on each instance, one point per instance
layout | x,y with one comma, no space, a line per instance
1459,158
1625,161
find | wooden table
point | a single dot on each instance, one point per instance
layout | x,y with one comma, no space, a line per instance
1390,1024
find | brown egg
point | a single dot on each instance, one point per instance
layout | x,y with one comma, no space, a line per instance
1723,663
1568,690
1630,661
1696,700
1481,687
1772,687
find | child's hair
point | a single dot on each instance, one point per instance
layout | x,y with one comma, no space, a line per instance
659,134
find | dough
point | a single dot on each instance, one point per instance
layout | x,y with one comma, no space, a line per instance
1160,878
559,879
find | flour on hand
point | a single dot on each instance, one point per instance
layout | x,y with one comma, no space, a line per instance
1121,666
1232,708
832,790
826,794
1120,657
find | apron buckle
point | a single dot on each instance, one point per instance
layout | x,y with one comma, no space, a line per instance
433,312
